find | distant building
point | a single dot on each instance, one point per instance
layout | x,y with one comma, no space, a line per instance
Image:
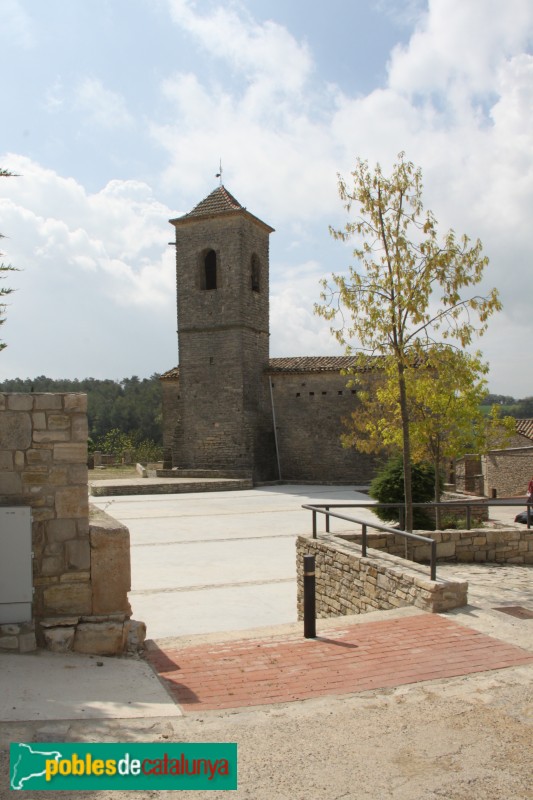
229,407
503,472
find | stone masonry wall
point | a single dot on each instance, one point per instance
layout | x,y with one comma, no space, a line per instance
347,583
309,412
81,572
477,545
508,471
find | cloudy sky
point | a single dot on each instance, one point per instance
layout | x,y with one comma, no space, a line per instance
115,114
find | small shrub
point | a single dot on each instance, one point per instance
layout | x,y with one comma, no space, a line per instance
387,487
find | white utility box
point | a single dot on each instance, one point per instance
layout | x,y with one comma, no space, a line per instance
16,584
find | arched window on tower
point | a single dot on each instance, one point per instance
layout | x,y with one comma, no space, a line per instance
255,274
209,276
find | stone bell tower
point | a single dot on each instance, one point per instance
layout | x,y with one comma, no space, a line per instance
224,417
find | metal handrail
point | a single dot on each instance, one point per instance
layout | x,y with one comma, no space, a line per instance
365,523
467,504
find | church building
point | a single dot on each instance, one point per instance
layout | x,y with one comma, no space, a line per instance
228,407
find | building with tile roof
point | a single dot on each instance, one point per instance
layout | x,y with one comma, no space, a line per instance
229,407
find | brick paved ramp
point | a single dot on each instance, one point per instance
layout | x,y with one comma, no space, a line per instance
357,658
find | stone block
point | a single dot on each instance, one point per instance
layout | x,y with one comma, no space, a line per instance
446,550
9,643
68,598
50,437
71,452
58,422
39,456
37,476
27,642
6,460
104,638
110,567
39,421
10,629
48,402
81,576
59,640
52,565
43,514
136,634
77,474
78,554
58,475
80,428
75,402
60,530
55,622
72,502
15,430
20,402
10,483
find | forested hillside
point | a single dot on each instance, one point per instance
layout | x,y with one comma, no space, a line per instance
131,407
519,409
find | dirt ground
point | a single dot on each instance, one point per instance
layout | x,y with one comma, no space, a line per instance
459,739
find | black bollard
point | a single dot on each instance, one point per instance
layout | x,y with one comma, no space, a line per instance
309,598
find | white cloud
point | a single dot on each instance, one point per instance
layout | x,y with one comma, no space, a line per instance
449,101
96,271
457,98
102,107
265,53
458,43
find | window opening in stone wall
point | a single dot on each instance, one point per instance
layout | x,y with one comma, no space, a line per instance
255,274
340,391
209,276
354,391
324,392
297,394
311,394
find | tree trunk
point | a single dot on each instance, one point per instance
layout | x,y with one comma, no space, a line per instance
407,481
437,486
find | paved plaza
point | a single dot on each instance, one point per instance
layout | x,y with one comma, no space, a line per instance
218,561
397,704
225,561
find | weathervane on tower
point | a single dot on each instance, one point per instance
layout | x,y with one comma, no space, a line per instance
219,173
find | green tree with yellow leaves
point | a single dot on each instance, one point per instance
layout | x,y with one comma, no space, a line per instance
446,418
405,294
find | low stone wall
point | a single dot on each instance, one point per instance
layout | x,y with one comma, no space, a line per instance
18,637
81,569
99,623
347,583
513,546
154,486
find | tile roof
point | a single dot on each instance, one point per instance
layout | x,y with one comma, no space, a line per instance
311,364
525,427
220,201
292,364
170,374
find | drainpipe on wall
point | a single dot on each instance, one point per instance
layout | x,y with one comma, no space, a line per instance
275,429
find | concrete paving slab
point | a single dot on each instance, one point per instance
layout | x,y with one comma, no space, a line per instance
56,686
221,608
219,560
